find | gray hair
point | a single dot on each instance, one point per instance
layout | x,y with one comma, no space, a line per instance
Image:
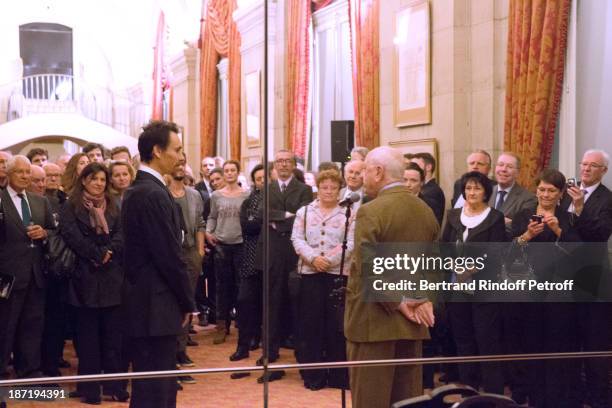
389,158
604,155
361,150
12,162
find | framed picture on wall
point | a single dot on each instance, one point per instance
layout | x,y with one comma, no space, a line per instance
252,108
419,146
412,65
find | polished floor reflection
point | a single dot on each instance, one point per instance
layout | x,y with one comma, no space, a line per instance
220,391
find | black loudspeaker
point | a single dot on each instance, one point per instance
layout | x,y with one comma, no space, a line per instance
342,140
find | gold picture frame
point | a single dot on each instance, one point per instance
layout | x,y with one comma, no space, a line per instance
412,65
419,146
251,107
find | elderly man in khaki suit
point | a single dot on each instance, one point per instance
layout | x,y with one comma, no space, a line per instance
386,330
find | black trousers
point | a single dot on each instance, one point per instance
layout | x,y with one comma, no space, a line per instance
320,335
55,325
194,266
249,310
595,334
99,346
227,264
283,259
206,288
477,331
21,328
153,354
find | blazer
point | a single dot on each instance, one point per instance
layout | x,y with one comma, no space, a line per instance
16,256
201,188
433,195
394,216
491,229
517,199
157,288
93,284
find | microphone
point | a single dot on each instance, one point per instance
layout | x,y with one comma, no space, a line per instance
353,198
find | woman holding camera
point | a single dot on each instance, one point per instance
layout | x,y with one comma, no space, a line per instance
542,325
476,325
317,236
91,227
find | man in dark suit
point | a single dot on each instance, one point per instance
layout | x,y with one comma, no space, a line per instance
287,195
590,205
479,160
204,187
431,191
508,196
158,296
26,219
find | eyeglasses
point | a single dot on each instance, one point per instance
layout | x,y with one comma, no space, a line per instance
283,161
592,165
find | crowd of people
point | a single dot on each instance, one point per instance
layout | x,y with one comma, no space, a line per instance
122,217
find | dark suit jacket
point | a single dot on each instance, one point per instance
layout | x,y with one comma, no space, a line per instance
296,195
201,187
16,256
157,286
93,284
434,197
517,199
395,216
594,225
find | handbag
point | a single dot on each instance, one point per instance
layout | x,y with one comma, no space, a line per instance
61,260
517,266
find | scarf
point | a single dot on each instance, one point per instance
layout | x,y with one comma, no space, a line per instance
96,205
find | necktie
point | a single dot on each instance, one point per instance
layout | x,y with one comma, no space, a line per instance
25,210
283,187
500,200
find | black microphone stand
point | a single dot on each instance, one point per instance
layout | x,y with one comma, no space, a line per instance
340,282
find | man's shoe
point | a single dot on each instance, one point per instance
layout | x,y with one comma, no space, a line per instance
186,379
183,360
192,343
239,354
236,376
271,359
273,376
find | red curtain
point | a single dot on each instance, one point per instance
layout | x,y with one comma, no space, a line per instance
219,38
366,69
159,69
297,75
537,43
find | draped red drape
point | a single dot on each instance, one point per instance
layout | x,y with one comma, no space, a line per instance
159,74
537,43
297,75
365,56
219,38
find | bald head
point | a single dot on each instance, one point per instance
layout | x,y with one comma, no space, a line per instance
37,180
53,174
384,165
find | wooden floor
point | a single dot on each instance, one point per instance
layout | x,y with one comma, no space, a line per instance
218,390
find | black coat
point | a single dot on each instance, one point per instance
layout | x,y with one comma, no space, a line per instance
157,287
93,284
491,230
433,195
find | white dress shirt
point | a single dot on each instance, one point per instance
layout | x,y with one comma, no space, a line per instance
152,172
286,183
17,200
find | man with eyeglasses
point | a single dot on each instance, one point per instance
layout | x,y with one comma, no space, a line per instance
590,204
287,195
508,196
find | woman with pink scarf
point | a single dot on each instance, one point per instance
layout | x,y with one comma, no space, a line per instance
91,227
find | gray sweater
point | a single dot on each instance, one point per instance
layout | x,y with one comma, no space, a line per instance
224,218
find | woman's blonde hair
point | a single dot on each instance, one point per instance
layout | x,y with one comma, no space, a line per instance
115,163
